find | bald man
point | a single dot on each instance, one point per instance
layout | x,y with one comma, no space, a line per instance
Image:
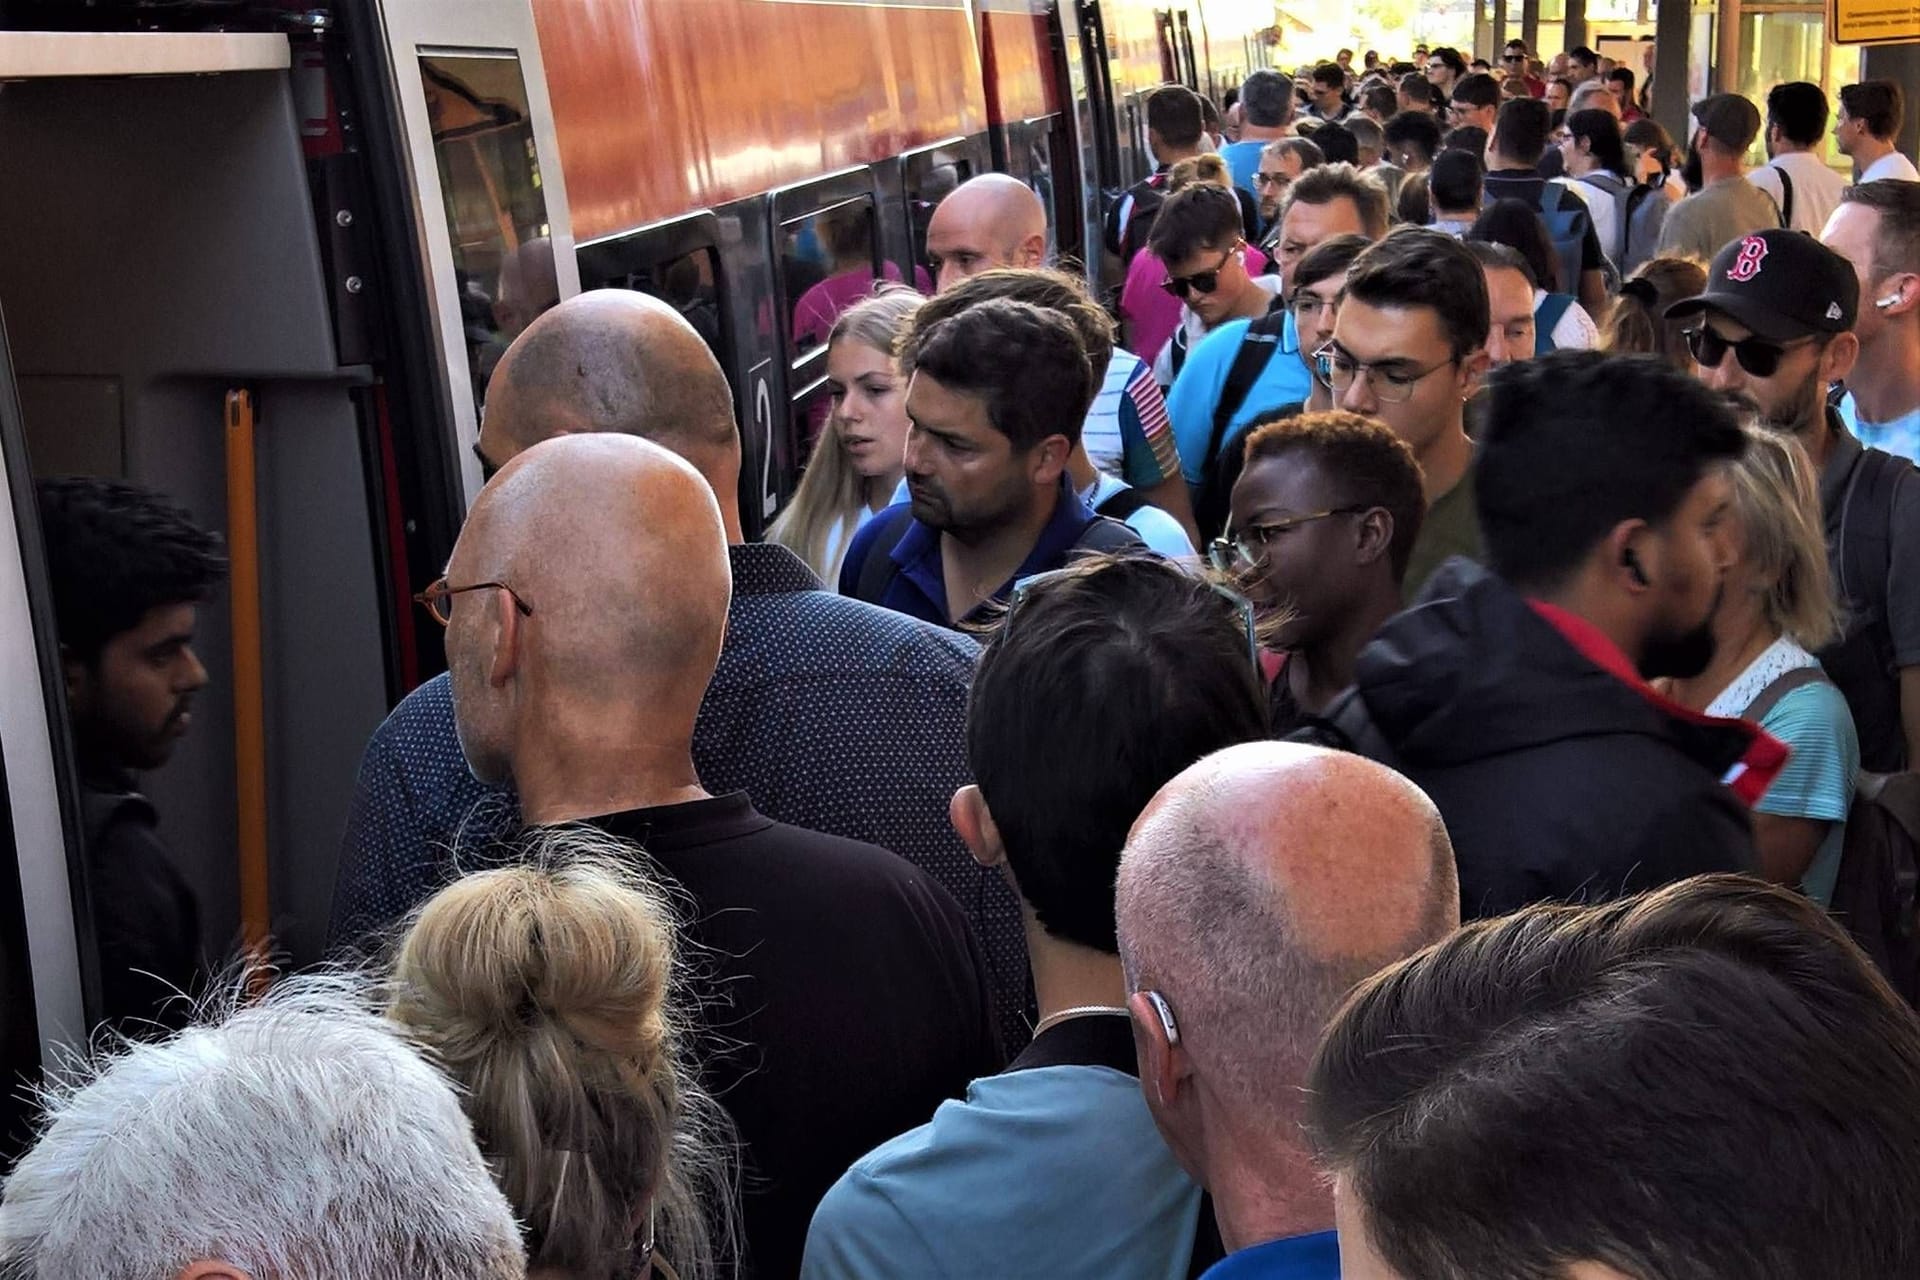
833,715
1256,890
586,601
997,221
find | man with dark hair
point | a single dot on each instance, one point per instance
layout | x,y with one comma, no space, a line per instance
1255,891
1877,229
1114,650
129,570
1198,237
1413,140
1319,282
1774,330
1519,139
1510,285
1415,93
1337,143
1680,1076
1474,101
1867,130
1514,61
1583,64
1620,84
995,396
1329,90
1455,185
1281,165
1445,68
1244,369
1802,185
1325,514
1517,697
1380,102
1725,207
1266,98
1175,132
1409,348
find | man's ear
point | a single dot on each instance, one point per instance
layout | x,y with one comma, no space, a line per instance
1622,557
1376,535
506,641
1033,250
1473,370
973,821
213,1271
1837,361
1049,459
1163,1063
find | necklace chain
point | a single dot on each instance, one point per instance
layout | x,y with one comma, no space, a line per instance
1078,1011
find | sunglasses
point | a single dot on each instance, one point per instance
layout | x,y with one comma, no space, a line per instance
1756,355
1199,281
1513,57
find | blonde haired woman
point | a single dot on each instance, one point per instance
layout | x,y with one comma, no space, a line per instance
545,991
1637,323
1777,611
861,456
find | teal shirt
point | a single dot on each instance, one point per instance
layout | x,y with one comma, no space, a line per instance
1818,781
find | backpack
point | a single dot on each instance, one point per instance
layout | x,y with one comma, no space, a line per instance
1133,216
1646,215
1121,504
1546,318
1613,187
877,571
1876,894
1862,659
1567,220
1262,341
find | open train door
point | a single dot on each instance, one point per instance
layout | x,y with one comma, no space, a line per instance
1082,47
489,202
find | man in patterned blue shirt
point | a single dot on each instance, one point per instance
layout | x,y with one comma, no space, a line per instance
830,714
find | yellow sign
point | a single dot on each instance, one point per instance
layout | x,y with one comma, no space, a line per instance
1873,21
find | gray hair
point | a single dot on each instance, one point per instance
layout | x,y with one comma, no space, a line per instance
1266,99
298,1137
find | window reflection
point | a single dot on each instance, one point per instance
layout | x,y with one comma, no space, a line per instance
690,284
496,207
829,261
930,177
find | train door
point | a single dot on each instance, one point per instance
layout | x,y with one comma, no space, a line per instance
1080,43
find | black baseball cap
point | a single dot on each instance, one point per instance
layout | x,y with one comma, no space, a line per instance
1783,285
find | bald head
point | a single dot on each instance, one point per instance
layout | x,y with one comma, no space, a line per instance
1259,887
615,545
614,360
990,221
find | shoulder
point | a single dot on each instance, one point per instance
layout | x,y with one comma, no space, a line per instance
888,525
850,637
1218,347
1161,532
1766,177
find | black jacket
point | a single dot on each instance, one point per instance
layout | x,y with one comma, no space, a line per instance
1557,780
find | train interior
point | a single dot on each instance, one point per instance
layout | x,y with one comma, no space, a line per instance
164,254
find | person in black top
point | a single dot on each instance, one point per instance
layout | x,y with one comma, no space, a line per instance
1518,142
1325,514
1176,131
840,990
129,570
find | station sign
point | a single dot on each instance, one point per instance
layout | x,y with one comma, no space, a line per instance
1873,21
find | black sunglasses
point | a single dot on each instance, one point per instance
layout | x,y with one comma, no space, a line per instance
1756,355
1201,281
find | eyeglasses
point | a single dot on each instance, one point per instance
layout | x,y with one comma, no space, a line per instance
1248,548
438,598
1338,370
1201,281
1306,305
1242,605
1271,179
1513,57
1756,355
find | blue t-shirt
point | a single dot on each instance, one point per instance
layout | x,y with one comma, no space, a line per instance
1818,780
1196,391
1901,436
1053,1171
1314,1257
1243,161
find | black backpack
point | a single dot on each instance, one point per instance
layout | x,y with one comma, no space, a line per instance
1260,344
1876,894
878,570
1861,661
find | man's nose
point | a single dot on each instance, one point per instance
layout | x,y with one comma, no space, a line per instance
193,673
1724,376
1358,397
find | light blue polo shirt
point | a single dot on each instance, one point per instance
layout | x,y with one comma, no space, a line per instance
1243,161
1052,1171
1196,391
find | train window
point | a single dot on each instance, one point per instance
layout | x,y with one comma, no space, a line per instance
829,260
496,206
930,175
689,283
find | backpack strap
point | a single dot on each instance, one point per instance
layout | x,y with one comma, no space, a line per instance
1258,346
1122,503
1770,697
1550,198
1553,308
1786,196
1866,523
1104,534
878,570
1177,350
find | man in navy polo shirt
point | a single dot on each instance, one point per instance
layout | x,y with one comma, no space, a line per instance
996,398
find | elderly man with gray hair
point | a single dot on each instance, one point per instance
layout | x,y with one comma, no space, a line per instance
1259,887
299,1138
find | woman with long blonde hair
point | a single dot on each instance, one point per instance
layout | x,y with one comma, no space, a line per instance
1776,611
861,456
546,990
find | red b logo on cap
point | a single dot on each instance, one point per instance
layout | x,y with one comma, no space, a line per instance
1747,265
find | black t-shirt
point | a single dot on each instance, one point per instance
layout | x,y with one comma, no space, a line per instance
844,998
1527,187
146,919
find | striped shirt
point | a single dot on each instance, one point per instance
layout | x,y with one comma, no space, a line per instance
1127,431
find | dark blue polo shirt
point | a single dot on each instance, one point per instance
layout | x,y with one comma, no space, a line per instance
917,587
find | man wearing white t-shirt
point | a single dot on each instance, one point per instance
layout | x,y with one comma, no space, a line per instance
1871,113
1804,188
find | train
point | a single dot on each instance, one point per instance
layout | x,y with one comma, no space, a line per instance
261,254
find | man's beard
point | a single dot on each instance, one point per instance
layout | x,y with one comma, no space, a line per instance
1681,656
1800,415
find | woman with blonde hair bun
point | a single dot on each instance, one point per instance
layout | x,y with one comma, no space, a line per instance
1777,609
1636,324
546,991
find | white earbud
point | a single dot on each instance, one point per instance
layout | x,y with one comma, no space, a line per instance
1881,304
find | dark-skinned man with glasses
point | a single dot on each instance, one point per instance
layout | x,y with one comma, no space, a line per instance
1409,348
1325,515
1774,330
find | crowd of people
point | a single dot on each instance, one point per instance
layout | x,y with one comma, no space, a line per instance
1364,756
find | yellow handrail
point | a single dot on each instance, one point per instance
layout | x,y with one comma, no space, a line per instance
249,698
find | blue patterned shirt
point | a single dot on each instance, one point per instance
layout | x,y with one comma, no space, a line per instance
830,714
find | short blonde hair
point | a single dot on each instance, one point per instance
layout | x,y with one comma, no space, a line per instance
1778,501
545,991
